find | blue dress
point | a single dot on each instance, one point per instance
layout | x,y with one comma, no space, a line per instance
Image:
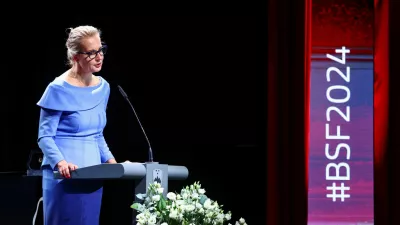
71,126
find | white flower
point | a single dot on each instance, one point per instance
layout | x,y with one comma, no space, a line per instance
142,221
195,195
152,220
207,204
171,196
157,185
142,208
184,207
181,208
185,195
173,214
180,202
198,205
160,190
141,218
220,217
189,208
155,198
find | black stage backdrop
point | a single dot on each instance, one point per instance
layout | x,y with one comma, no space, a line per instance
197,84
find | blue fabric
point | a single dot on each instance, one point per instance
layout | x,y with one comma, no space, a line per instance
71,202
71,126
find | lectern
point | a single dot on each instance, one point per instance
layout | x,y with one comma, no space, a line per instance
143,173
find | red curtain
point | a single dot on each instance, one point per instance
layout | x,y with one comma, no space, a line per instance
381,110
391,153
287,102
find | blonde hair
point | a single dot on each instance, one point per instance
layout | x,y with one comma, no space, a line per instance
75,37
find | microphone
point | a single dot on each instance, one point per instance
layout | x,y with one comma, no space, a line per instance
148,142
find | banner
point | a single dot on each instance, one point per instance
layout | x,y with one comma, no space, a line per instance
341,114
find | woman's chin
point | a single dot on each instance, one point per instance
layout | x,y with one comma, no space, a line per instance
96,69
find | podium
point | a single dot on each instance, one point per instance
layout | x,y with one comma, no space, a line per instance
143,174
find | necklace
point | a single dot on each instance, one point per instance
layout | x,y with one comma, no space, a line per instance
79,78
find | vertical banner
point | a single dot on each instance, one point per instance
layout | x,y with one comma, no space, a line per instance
341,113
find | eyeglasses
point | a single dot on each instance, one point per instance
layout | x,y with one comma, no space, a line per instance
93,54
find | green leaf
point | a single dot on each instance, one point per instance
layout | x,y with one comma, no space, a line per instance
161,205
135,206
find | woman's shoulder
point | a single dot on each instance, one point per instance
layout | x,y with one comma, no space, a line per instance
101,80
61,82
61,95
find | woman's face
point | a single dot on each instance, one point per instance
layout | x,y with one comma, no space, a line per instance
90,58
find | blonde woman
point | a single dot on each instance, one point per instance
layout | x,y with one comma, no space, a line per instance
72,119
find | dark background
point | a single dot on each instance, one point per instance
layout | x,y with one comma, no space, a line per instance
197,85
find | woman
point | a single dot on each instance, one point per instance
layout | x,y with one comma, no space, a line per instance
72,119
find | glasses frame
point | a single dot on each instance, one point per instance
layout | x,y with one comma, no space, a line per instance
93,54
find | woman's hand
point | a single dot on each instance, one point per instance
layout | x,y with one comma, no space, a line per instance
65,168
111,161
127,161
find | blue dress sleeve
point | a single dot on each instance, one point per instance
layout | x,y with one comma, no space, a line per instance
105,152
48,123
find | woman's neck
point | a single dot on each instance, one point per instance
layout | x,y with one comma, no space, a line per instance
84,78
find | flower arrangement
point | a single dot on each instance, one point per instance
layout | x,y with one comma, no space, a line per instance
189,207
